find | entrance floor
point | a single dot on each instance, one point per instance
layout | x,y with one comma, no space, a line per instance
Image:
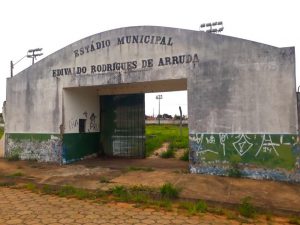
274,196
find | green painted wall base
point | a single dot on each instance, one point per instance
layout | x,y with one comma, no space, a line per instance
78,145
270,156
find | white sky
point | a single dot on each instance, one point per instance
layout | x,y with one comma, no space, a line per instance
53,24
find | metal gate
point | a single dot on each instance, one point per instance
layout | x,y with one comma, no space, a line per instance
123,125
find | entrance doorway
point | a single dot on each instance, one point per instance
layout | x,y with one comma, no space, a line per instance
122,121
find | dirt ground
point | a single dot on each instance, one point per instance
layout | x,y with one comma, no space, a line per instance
273,196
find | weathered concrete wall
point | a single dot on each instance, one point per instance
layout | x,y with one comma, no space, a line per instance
251,90
81,103
243,108
40,147
238,88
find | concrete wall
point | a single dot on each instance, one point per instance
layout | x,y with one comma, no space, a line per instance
240,92
81,103
251,90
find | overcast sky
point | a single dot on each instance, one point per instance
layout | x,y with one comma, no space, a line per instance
53,24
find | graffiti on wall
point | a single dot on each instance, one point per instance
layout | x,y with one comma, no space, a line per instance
73,123
93,124
91,118
267,150
40,147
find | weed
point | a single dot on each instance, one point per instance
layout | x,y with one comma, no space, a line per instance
99,194
16,174
104,180
164,203
140,198
31,187
194,207
169,191
13,157
14,154
234,170
168,154
217,210
146,169
294,220
230,215
185,156
246,208
70,191
119,191
46,189
201,206
1,132
7,184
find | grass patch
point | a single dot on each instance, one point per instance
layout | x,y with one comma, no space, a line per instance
13,157
168,154
31,187
246,208
185,156
104,180
294,220
169,191
7,184
119,191
146,169
194,207
164,203
70,191
156,135
16,174
1,132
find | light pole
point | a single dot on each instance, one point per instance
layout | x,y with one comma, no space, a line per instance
211,25
159,97
31,55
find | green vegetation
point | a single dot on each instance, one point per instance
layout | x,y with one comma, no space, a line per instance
143,196
169,191
185,156
234,170
31,187
14,154
68,190
7,184
156,135
246,208
1,132
134,168
16,174
194,207
104,180
168,154
294,220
